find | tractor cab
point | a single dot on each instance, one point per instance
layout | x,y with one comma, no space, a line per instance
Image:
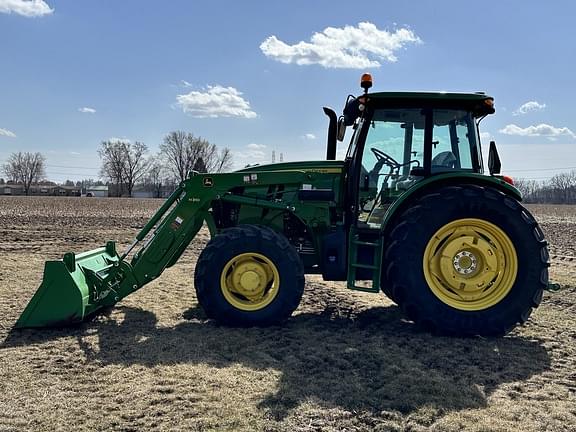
402,142
401,139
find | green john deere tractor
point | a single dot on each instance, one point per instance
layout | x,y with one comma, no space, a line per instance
409,211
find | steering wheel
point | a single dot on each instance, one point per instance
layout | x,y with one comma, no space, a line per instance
383,158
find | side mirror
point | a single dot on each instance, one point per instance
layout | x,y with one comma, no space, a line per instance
341,130
494,164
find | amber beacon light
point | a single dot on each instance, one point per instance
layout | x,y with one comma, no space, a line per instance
366,82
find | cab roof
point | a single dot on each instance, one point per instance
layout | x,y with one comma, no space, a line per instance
431,95
480,103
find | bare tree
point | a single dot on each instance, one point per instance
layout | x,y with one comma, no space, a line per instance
123,163
224,160
529,189
213,160
135,165
112,154
25,168
153,180
178,153
200,166
564,185
184,152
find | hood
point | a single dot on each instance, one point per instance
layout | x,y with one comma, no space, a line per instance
323,166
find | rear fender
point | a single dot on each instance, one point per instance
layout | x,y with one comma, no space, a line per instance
449,179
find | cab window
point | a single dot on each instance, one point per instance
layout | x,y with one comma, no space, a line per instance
454,137
394,145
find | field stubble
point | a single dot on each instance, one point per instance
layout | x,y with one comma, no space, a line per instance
344,361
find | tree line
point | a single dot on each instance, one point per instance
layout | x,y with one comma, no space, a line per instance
125,164
559,189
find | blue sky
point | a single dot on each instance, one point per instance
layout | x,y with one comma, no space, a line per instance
253,77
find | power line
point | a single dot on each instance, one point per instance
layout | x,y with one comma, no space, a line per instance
74,167
64,166
533,178
69,173
540,169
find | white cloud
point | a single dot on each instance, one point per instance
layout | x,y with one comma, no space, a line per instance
253,146
87,110
349,47
252,154
121,140
215,101
541,130
529,107
309,136
485,136
6,132
27,8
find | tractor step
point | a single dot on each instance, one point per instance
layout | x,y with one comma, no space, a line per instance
354,264
364,243
365,266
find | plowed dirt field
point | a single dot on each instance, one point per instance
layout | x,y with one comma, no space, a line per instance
345,361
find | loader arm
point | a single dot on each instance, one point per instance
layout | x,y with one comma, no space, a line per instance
79,285
186,210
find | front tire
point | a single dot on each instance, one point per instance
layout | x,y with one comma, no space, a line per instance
467,260
249,276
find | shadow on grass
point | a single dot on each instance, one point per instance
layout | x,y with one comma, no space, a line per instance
372,360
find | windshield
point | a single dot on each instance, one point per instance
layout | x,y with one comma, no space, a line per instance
399,133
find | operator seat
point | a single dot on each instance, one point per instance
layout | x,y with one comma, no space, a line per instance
443,161
408,182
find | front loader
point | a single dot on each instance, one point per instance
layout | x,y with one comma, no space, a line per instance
409,211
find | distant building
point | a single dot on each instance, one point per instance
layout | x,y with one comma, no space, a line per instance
12,189
96,191
40,190
66,191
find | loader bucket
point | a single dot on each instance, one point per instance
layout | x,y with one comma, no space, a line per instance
69,289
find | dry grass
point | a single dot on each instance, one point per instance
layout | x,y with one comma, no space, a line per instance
345,362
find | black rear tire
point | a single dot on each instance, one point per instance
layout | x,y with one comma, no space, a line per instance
219,272
435,305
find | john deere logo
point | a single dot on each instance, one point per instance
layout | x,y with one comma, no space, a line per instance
208,182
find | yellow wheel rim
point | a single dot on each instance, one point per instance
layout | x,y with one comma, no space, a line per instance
250,281
470,264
